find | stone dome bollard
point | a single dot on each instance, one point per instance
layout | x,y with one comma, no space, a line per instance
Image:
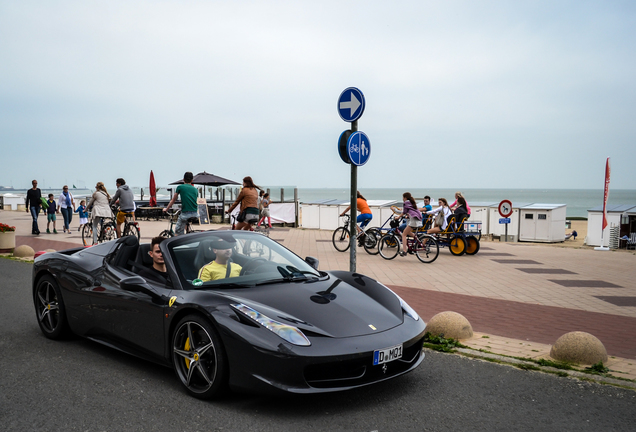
451,325
579,347
23,251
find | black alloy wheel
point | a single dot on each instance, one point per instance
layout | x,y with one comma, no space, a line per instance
49,308
198,357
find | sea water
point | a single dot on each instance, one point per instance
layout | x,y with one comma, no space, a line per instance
578,201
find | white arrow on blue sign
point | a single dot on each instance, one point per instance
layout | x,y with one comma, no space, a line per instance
358,148
351,104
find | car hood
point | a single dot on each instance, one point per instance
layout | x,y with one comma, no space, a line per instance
345,306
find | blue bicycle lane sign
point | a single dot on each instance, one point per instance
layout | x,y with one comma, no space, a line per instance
358,148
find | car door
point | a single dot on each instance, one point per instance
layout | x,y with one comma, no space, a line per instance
133,320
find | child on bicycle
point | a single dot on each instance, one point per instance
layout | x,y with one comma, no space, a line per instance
411,211
364,217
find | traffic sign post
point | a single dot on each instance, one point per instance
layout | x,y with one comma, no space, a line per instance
354,148
505,210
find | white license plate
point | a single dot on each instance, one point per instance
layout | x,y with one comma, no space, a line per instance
387,354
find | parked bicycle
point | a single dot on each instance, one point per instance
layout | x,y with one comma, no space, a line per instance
341,237
173,217
423,246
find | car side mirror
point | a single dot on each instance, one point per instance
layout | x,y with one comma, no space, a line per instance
134,284
312,262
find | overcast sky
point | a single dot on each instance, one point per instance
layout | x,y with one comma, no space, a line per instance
459,94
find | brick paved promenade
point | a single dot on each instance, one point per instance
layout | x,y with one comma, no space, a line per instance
519,296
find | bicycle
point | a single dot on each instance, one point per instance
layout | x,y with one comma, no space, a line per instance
264,230
174,216
422,245
106,233
251,248
131,228
341,238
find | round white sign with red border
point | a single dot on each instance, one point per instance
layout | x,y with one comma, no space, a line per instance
505,208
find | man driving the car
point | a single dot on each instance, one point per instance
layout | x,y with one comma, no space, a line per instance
222,266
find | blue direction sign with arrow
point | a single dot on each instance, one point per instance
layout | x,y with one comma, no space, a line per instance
351,104
358,148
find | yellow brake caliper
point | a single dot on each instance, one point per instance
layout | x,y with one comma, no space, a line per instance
187,348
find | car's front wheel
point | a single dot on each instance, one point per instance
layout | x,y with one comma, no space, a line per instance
198,357
49,308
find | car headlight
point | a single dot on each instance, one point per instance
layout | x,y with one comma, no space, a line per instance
405,306
408,309
289,333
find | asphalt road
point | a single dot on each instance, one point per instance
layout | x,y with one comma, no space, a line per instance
78,385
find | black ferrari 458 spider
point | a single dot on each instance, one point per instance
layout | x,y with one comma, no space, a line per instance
267,320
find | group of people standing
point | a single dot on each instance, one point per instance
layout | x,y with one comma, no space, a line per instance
99,205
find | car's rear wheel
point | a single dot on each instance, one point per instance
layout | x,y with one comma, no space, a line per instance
49,308
198,357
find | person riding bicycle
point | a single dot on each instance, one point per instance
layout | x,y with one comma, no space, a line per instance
427,207
218,268
100,209
364,217
189,205
415,218
248,198
126,203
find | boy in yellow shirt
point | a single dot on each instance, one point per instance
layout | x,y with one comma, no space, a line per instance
218,269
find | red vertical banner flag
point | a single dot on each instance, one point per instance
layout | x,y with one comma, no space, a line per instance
606,193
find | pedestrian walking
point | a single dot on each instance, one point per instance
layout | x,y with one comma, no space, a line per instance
67,207
50,214
33,203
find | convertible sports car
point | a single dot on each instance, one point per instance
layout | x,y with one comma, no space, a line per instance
280,324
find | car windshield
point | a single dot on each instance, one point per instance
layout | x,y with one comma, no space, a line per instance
228,259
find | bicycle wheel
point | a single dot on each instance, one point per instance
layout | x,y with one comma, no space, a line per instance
166,234
389,246
472,245
131,229
372,240
87,234
108,232
426,248
457,245
341,239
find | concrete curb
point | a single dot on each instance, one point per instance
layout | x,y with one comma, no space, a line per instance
511,361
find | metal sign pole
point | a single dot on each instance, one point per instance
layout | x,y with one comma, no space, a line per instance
354,209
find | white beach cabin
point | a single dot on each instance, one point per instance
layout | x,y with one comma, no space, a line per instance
618,215
541,222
